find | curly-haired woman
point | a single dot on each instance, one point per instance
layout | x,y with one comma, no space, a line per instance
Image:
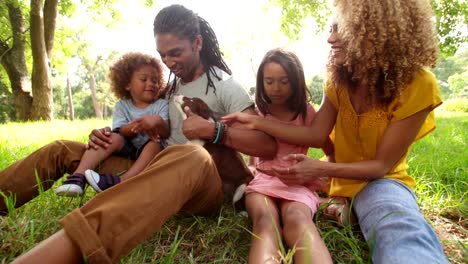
139,119
379,99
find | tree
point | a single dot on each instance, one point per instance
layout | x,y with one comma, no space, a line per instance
33,96
316,89
458,84
43,15
7,110
451,19
448,67
295,11
13,57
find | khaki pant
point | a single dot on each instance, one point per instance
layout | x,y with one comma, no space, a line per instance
110,225
49,163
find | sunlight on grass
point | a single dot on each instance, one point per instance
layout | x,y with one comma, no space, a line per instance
19,139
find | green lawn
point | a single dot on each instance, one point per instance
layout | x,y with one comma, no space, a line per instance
439,162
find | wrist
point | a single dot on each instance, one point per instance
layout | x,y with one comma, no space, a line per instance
256,123
220,133
210,132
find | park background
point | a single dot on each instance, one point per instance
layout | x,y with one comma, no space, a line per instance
71,96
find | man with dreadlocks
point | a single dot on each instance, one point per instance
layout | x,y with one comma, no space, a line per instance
182,177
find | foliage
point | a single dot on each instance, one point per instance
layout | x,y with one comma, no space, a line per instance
452,74
458,84
456,105
294,12
97,12
83,104
451,17
452,21
316,89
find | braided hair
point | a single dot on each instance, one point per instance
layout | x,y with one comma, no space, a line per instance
184,23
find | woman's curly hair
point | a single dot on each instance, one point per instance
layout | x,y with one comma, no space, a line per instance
386,42
120,73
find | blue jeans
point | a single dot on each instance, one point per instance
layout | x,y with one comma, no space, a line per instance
393,226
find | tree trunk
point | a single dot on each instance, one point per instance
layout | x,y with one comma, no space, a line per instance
70,100
13,60
92,86
42,106
50,18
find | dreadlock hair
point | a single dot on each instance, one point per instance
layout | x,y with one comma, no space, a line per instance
184,23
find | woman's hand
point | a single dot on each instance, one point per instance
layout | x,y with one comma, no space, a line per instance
99,138
303,171
249,121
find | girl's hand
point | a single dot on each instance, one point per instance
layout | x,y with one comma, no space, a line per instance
305,170
99,138
249,121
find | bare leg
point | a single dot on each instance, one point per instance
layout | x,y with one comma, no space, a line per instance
92,157
265,241
58,248
147,154
300,232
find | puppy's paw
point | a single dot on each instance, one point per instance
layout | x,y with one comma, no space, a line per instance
239,193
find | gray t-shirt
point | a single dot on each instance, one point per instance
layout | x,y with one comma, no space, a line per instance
230,97
125,111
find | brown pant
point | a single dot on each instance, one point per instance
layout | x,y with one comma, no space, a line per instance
49,163
110,225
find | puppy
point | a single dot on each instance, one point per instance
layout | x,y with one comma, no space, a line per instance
230,164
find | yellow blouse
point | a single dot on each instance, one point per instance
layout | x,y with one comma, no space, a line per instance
357,137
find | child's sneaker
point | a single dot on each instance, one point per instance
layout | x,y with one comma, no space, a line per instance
72,186
101,182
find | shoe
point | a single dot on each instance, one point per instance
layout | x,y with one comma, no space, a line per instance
339,209
73,186
101,182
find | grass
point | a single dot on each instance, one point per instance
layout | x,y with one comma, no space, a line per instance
439,162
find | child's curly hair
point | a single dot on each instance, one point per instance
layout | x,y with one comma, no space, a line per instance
120,73
386,42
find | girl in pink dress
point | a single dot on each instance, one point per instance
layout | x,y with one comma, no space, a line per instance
282,95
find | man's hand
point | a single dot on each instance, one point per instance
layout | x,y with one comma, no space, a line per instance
99,138
196,127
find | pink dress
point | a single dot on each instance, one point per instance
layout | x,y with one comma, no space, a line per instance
271,185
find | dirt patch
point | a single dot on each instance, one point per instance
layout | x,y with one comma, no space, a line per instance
453,235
